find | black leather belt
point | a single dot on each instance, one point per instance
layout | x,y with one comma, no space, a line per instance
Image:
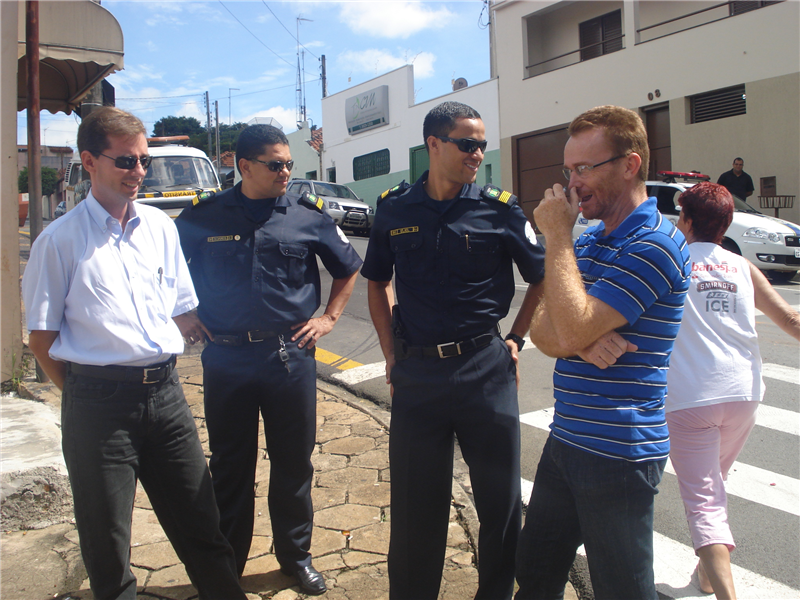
148,375
451,349
244,338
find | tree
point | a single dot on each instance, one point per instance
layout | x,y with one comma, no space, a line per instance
49,181
177,126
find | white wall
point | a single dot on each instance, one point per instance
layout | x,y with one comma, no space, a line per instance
404,130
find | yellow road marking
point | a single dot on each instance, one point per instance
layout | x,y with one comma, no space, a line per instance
334,360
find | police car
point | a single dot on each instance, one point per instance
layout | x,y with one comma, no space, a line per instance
772,244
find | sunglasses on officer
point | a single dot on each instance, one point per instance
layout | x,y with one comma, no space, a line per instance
128,163
466,145
276,166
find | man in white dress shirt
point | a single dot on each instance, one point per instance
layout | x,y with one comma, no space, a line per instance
106,292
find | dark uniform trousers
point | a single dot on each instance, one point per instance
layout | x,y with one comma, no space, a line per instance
241,383
473,396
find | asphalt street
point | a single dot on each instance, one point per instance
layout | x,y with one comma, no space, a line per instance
763,487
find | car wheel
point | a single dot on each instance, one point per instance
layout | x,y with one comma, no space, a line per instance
781,276
729,245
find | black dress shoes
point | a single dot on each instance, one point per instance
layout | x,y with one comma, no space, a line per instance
311,582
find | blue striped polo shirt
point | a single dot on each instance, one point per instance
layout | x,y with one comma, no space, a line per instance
642,270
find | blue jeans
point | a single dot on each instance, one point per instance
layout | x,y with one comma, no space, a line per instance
114,434
606,505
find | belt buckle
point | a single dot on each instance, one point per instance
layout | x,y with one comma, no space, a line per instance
250,338
445,354
146,377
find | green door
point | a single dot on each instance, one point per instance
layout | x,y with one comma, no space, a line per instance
420,162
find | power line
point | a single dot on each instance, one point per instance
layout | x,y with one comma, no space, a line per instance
287,30
163,97
255,36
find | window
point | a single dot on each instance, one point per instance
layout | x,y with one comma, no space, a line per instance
332,174
311,175
488,171
601,35
719,104
371,165
737,8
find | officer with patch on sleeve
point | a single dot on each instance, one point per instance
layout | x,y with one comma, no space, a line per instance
252,253
451,247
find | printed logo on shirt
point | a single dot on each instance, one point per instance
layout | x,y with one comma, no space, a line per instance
716,285
719,301
724,267
221,238
403,230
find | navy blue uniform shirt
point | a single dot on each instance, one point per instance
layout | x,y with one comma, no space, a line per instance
454,271
258,272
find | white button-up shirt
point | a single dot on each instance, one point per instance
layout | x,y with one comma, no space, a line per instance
111,294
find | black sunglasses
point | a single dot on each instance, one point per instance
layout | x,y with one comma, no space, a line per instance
276,165
129,162
467,145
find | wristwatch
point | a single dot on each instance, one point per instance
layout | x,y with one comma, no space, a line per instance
515,338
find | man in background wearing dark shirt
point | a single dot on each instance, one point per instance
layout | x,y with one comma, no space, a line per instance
737,181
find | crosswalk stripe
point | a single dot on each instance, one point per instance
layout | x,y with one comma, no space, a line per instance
761,486
362,373
540,419
779,419
334,360
781,372
673,564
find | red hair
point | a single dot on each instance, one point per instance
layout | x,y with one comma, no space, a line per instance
710,207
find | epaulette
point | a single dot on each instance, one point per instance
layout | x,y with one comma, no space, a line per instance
492,192
201,197
395,191
312,201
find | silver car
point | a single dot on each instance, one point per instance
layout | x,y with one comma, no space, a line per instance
340,202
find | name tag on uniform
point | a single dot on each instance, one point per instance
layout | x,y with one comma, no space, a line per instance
222,238
403,230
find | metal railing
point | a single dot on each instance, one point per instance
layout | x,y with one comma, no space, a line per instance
581,49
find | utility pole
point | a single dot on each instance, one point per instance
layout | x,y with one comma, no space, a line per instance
324,79
301,95
216,110
230,122
208,122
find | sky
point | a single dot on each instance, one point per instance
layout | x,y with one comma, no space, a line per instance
245,54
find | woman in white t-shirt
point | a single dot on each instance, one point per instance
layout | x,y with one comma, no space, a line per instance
714,382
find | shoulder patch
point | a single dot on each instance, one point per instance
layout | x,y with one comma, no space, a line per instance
394,191
492,192
312,201
201,197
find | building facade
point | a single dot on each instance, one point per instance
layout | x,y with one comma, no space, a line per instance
373,133
712,81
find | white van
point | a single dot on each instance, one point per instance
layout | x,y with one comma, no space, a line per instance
176,175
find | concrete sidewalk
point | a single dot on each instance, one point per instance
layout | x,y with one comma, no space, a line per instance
351,521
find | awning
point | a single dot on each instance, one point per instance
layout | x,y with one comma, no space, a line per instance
80,43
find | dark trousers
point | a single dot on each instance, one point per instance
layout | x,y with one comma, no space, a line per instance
473,397
603,503
241,383
115,433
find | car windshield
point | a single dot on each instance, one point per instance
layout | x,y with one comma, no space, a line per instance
176,172
335,191
740,205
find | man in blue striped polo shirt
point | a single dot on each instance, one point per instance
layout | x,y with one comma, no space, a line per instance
611,310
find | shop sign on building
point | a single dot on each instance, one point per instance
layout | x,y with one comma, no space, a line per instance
368,110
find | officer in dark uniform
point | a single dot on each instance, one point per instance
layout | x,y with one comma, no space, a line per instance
451,245
252,253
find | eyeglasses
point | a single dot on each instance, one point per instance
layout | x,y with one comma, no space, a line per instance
129,162
583,170
276,165
467,145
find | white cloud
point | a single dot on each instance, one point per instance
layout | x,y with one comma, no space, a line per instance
391,19
376,62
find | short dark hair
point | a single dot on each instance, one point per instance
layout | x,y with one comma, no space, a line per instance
254,139
710,207
441,119
738,158
623,128
105,122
